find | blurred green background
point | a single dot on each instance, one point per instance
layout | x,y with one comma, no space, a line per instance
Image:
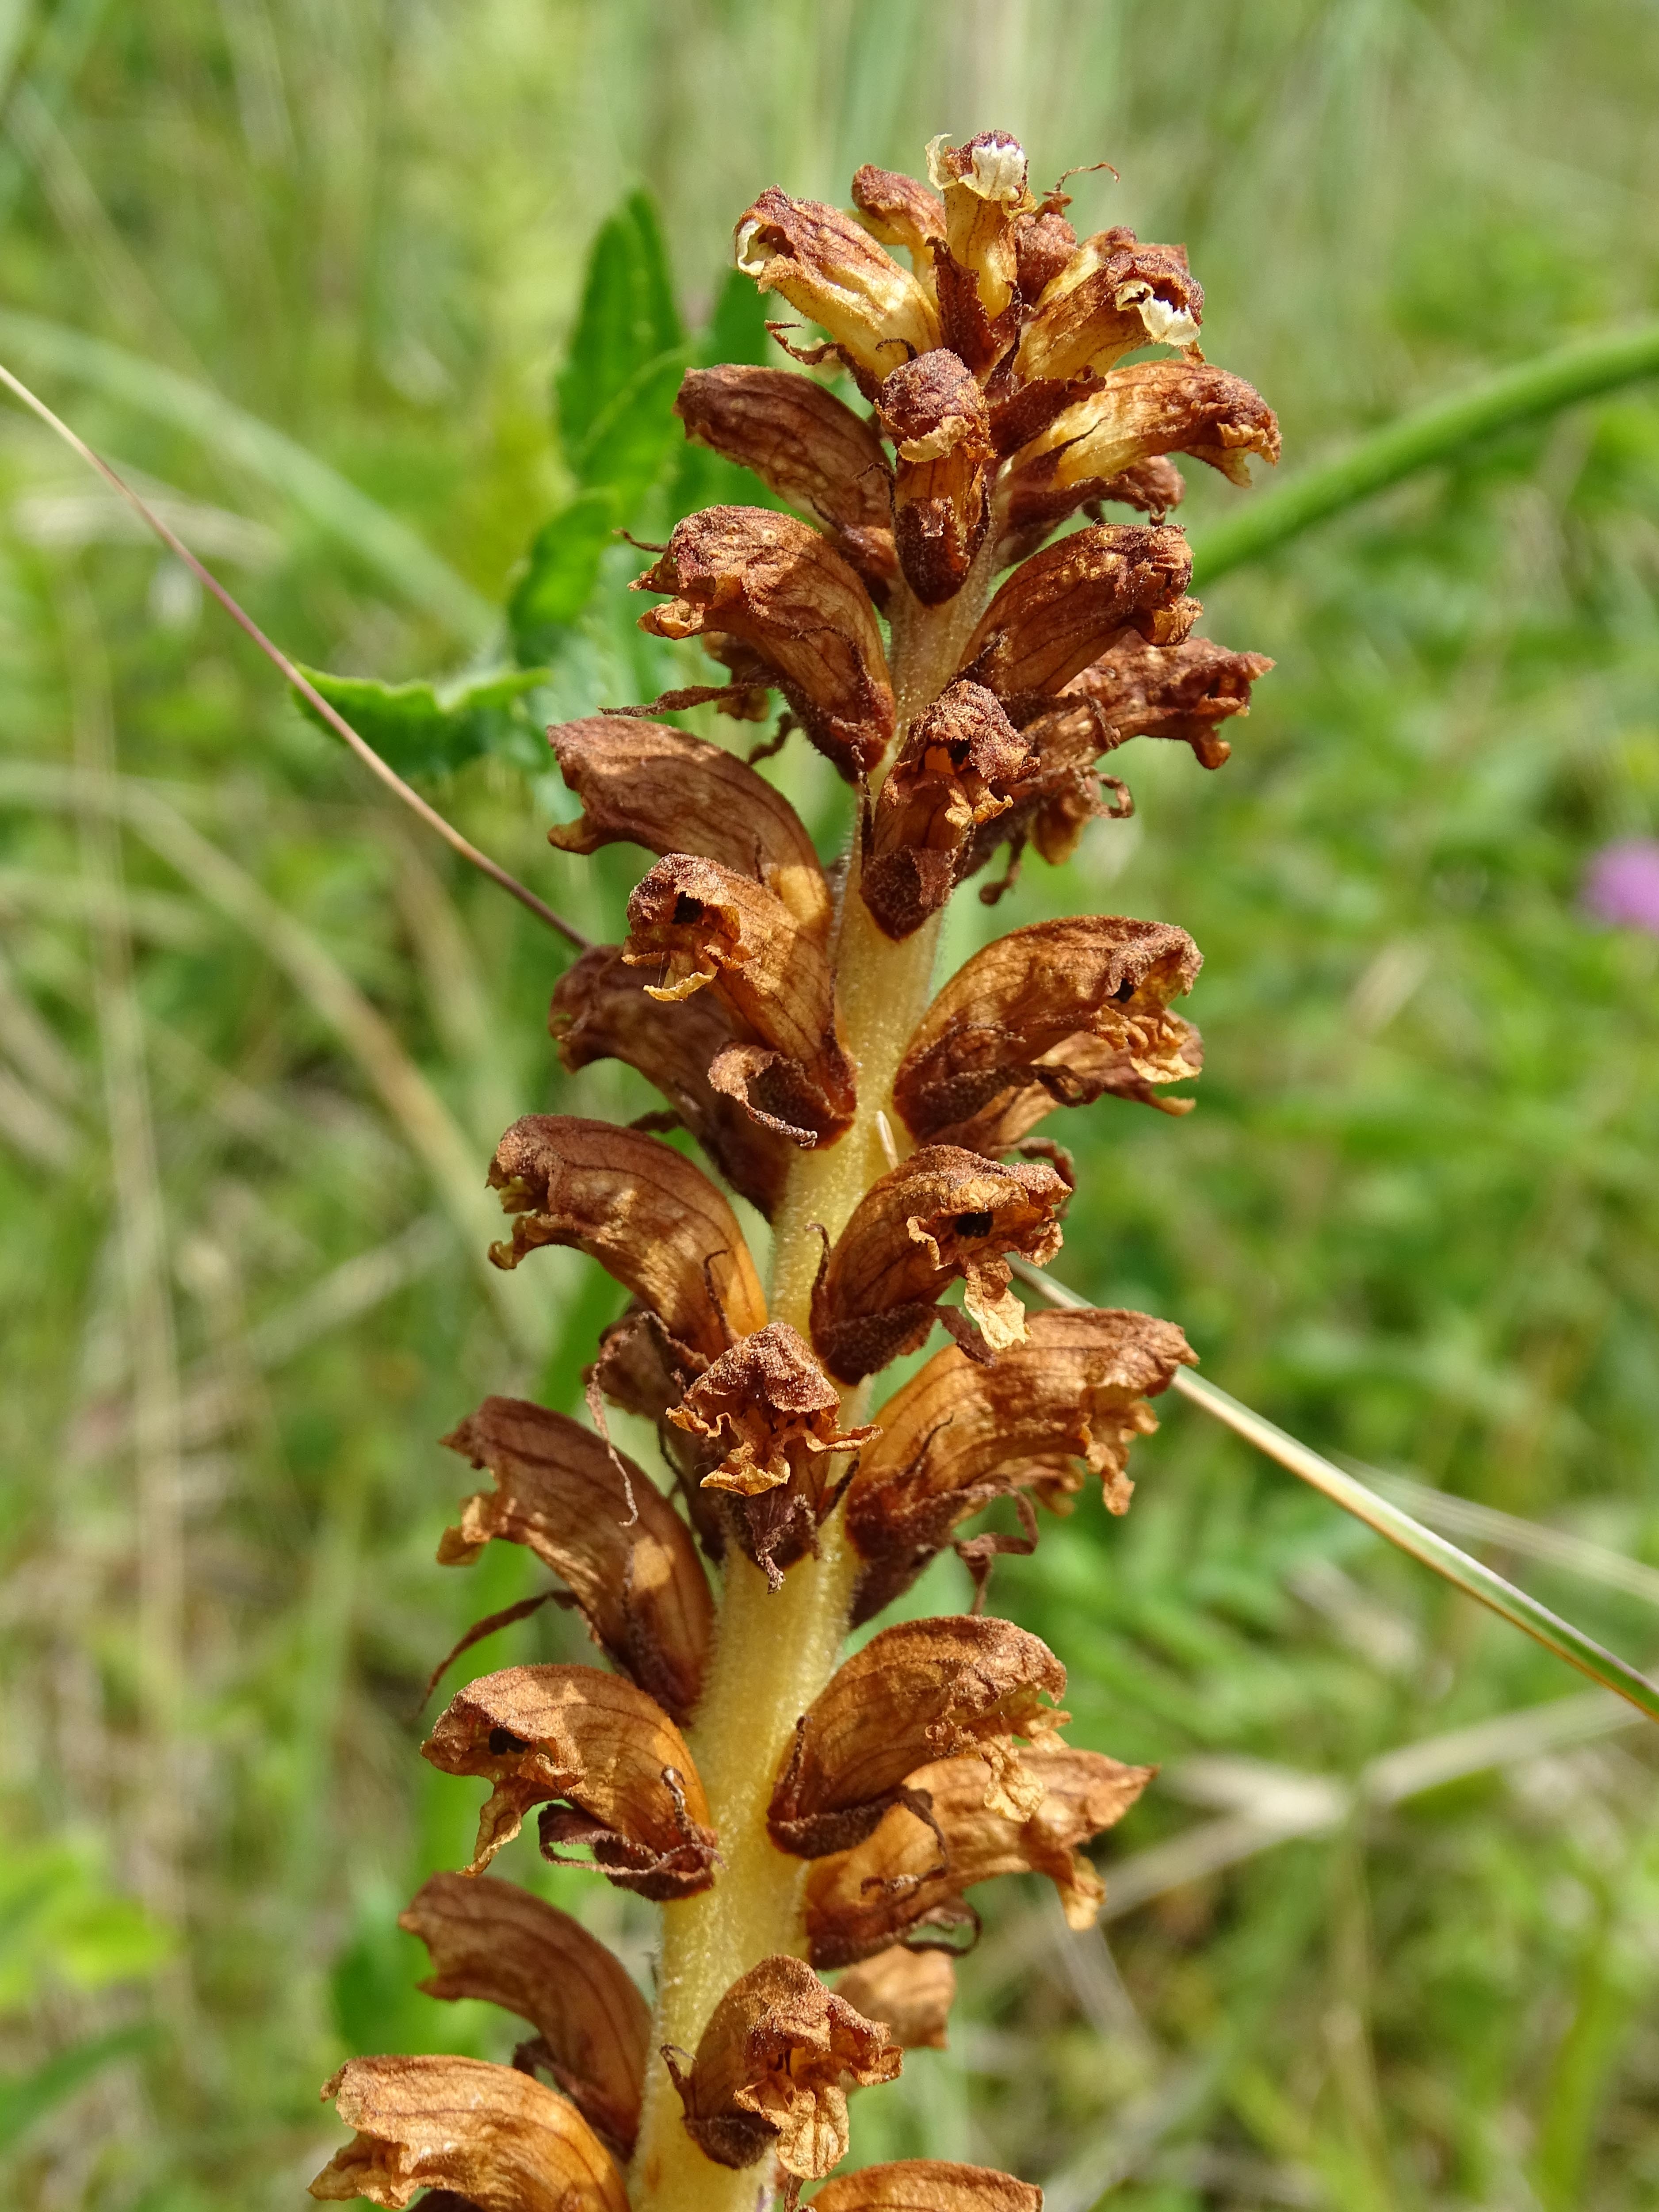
1384,1933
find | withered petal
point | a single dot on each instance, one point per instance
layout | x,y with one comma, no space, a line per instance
935,413
807,446
923,1690
959,1434
899,211
497,1943
770,2069
1066,605
928,2185
908,1876
604,1528
909,1993
953,775
827,264
1181,691
602,1009
572,1736
641,1210
652,786
502,2140
1057,1014
775,583
768,1407
977,269
1113,295
944,1213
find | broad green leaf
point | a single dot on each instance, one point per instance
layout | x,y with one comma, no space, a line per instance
628,318
632,436
560,572
736,331
25,2098
418,730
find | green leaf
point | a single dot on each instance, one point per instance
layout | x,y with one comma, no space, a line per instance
627,319
736,331
25,2098
418,730
559,574
631,438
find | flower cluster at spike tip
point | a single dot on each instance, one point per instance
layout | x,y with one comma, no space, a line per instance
795,1814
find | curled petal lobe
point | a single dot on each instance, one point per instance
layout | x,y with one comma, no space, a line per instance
771,2071
656,787
493,1941
909,1993
606,1528
1057,1014
602,1009
605,1758
907,1877
499,2139
959,1434
942,1214
826,264
807,446
776,585
922,1691
651,1219
695,923
768,1404
1068,603
928,2185
961,760
936,416
1111,297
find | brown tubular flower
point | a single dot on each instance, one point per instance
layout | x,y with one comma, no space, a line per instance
1179,691
698,923
909,1993
493,1941
959,1434
952,778
646,784
935,414
924,1690
771,2071
899,211
500,2139
976,269
645,1213
602,1009
603,1525
781,589
1068,605
605,1760
826,264
1113,295
807,446
907,1879
928,2185
1058,1014
942,1214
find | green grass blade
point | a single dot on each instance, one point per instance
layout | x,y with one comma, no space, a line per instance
1417,440
320,493
1433,1551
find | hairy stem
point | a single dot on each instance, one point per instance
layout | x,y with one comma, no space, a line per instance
775,1650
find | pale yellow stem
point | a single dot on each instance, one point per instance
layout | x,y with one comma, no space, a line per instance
776,1650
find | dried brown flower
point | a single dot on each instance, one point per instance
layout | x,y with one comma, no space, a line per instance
1057,1014
603,1525
807,446
1178,691
909,1993
696,924
783,590
899,211
502,2140
604,1757
1044,244
642,1211
770,2070
952,778
921,1691
908,1876
942,1214
976,267
1068,605
1113,295
959,1434
649,785
928,2185
935,414
491,1940
826,264
602,1009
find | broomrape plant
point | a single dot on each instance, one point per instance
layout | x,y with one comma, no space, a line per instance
792,1813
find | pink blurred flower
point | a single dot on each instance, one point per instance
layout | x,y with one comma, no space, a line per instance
1621,884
